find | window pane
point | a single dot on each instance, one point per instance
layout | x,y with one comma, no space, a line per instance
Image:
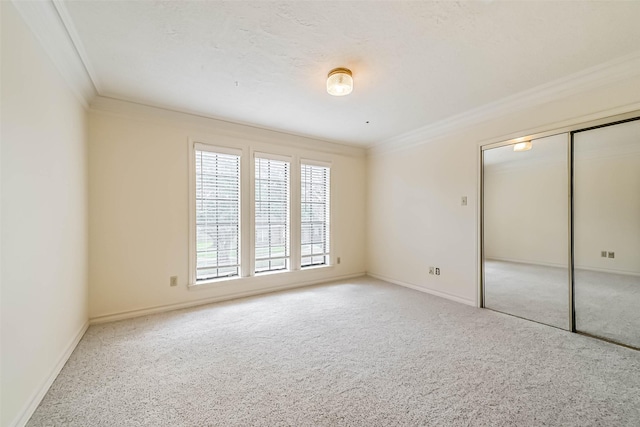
262,266
318,249
278,264
272,215
318,260
217,215
315,215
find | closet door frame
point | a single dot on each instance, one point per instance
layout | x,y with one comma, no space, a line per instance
571,130
635,117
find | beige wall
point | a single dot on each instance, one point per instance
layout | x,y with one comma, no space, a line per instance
415,219
139,219
526,203
44,218
607,198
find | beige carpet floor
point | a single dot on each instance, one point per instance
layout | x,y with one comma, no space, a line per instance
356,353
607,304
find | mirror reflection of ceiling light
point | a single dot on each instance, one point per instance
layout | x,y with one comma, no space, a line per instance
522,146
339,82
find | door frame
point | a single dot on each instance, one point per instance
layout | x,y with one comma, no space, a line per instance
570,130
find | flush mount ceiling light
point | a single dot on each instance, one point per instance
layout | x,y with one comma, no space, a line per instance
339,82
522,146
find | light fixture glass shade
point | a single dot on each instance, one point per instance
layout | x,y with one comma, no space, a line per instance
522,146
339,82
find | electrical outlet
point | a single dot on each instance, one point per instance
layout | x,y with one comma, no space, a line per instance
437,271
338,260
612,254
463,201
431,270
173,281
603,254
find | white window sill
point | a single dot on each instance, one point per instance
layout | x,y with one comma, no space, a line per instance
258,277
215,282
270,273
316,267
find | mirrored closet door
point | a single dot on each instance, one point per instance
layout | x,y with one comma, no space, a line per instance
560,228
606,230
526,229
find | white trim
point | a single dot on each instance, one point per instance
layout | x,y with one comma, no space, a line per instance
249,230
53,27
566,266
312,162
332,215
601,75
208,124
32,404
440,294
260,279
332,218
479,227
192,146
296,214
270,156
48,26
580,123
216,282
204,301
192,211
61,7
203,146
606,270
540,263
252,181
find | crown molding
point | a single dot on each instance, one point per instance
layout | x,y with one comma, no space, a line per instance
66,19
601,75
49,27
52,25
205,124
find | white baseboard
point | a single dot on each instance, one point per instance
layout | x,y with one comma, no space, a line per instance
204,301
521,261
37,396
577,267
425,290
607,270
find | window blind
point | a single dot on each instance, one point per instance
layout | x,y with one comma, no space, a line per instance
315,211
217,215
272,215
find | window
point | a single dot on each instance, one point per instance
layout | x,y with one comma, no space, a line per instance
252,216
217,212
315,214
272,214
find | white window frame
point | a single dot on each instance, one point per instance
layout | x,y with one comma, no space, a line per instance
281,158
247,212
330,235
199,146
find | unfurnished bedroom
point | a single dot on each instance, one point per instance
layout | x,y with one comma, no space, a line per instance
319,213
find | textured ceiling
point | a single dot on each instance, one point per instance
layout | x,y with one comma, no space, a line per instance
414,63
